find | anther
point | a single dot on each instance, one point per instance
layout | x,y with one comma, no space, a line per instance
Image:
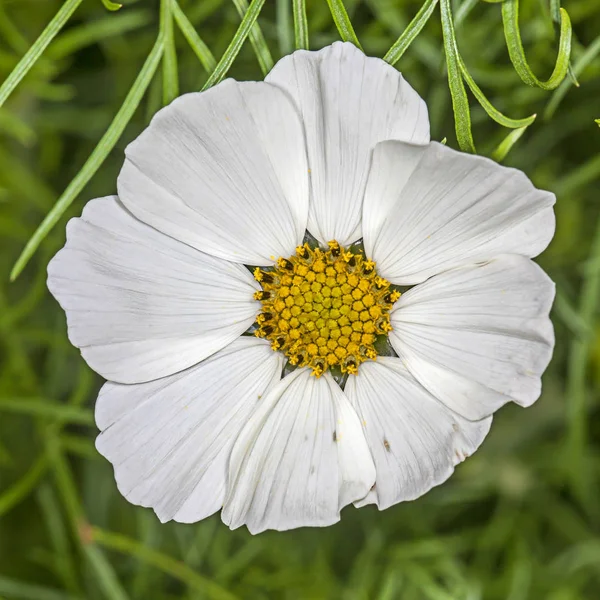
368,266
262,295
284,263
334,247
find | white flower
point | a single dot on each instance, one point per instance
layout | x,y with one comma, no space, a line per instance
196,416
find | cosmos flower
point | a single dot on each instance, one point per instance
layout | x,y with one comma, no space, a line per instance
281,375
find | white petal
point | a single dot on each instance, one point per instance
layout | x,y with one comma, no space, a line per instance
348,102
479,336
429,208
299,460
224,171
141,305
170,440
415,440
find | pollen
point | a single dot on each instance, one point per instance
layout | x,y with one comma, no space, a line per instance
324,308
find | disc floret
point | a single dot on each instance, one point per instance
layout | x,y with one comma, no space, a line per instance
324,308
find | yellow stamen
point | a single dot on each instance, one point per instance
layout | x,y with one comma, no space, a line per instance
324,308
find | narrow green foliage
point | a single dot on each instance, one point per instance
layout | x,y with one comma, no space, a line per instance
342,22
300,25
591,52
106,577
58,534
257,39
577,409
22,488
236,44
201,50
489,108
507,143
112,6
21,590
460,102
284,26
46,409
91,32
34,53
98,156
169,58
164,563
517,520
394,54
512,33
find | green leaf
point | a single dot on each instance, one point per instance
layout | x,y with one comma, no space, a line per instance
47,409
489,108
58,534
598,122
300,25
201,50
95,160
283,16
32,55
460,102
342,22
591,52
24,486
27,591
91,32
263,54
512,34
170,78
507,143
111,5
163,562
412,30
106,577
236,44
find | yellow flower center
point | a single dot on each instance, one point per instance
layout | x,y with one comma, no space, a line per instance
324,309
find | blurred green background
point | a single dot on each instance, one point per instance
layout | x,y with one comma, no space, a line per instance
519,520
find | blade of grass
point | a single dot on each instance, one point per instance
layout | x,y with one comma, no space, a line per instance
394,54
300,25
234,47
32,55
169,58
489,108
512,34
24,486
342,22
460,102
257,39
499,154
166,564
201,50
96,158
